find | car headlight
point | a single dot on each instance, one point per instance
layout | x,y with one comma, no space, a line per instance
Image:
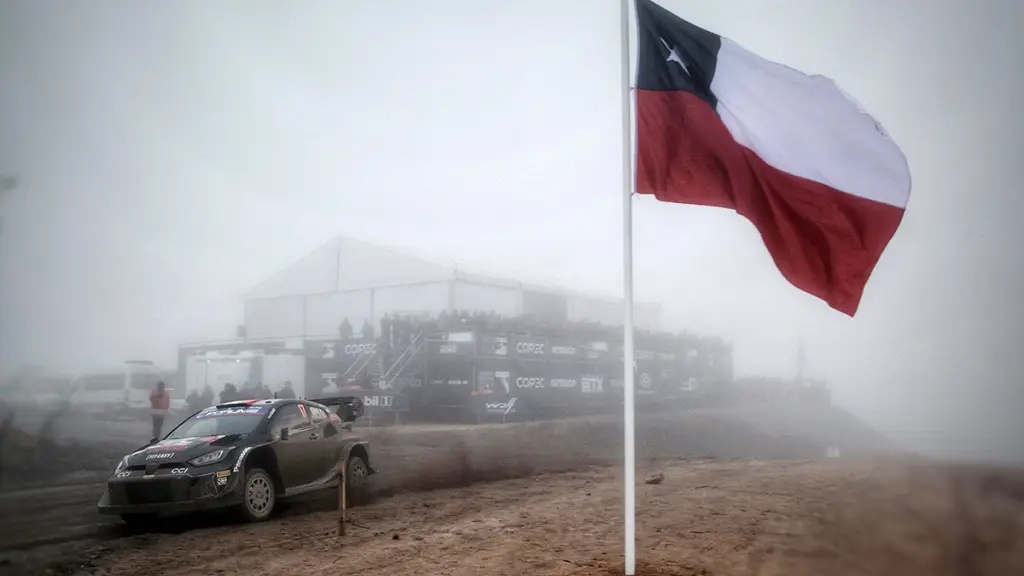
121,465
209,458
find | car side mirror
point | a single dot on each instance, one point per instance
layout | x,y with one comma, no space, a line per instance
284,434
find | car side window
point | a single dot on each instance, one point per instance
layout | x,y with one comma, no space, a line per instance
319,416
290,416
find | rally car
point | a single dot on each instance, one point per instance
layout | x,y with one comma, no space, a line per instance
246,455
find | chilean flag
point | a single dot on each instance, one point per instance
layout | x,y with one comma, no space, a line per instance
720,126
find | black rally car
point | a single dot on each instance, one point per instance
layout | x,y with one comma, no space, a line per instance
246,454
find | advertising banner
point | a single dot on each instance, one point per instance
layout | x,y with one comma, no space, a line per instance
377,402
530,348
563,351
448,384
493,347
446,350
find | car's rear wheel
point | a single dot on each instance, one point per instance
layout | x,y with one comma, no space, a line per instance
258,496
357,480
139,521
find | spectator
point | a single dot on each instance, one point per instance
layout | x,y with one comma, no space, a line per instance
247,392
228,393
192,400
159,404
206,398
345,329
287,391
367,330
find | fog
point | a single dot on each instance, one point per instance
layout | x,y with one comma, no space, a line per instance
171,155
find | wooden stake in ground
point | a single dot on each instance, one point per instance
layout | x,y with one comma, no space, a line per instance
342,513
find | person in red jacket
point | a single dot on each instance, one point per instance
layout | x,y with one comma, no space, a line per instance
159,404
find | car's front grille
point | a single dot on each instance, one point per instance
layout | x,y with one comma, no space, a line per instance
149,492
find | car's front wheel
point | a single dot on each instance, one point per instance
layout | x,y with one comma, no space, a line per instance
258,496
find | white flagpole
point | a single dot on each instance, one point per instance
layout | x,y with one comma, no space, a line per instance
629,356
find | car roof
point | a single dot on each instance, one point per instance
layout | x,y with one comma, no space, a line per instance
243,403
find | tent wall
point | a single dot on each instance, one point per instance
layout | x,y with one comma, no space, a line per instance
477,297
324,312
427,298
321,314
275,317
610,312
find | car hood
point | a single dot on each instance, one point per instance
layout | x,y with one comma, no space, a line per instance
180,450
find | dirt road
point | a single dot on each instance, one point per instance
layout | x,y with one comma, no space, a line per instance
707,518
418,458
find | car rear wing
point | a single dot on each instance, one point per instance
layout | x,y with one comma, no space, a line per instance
348,408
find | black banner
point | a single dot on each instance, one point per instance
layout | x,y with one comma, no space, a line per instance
441,349
494,347
565,378
492,408
530,348
498,382
531,380
323,349
563,351
596,352
448,384
386,402
355,348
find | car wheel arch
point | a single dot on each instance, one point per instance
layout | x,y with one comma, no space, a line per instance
264,458
362,452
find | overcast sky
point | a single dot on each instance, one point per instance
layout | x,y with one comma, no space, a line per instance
173,154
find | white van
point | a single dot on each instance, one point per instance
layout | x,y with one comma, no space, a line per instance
122,389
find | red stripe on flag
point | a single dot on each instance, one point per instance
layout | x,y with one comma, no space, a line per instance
824,241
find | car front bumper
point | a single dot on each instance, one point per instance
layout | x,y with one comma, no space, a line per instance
167,492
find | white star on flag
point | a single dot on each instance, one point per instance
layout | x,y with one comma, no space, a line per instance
673,56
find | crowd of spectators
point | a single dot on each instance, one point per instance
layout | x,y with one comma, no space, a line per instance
398,331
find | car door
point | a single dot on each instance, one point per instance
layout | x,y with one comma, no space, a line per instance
324,445
293,454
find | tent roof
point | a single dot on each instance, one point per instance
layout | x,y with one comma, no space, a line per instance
344,264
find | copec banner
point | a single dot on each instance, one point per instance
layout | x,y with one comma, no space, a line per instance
507,374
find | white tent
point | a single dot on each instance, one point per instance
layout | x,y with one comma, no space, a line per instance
351,279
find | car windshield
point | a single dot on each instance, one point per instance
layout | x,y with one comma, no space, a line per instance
221,422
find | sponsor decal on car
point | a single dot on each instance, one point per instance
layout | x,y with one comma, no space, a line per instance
159,455
241,458
223,473
233,411
181,444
